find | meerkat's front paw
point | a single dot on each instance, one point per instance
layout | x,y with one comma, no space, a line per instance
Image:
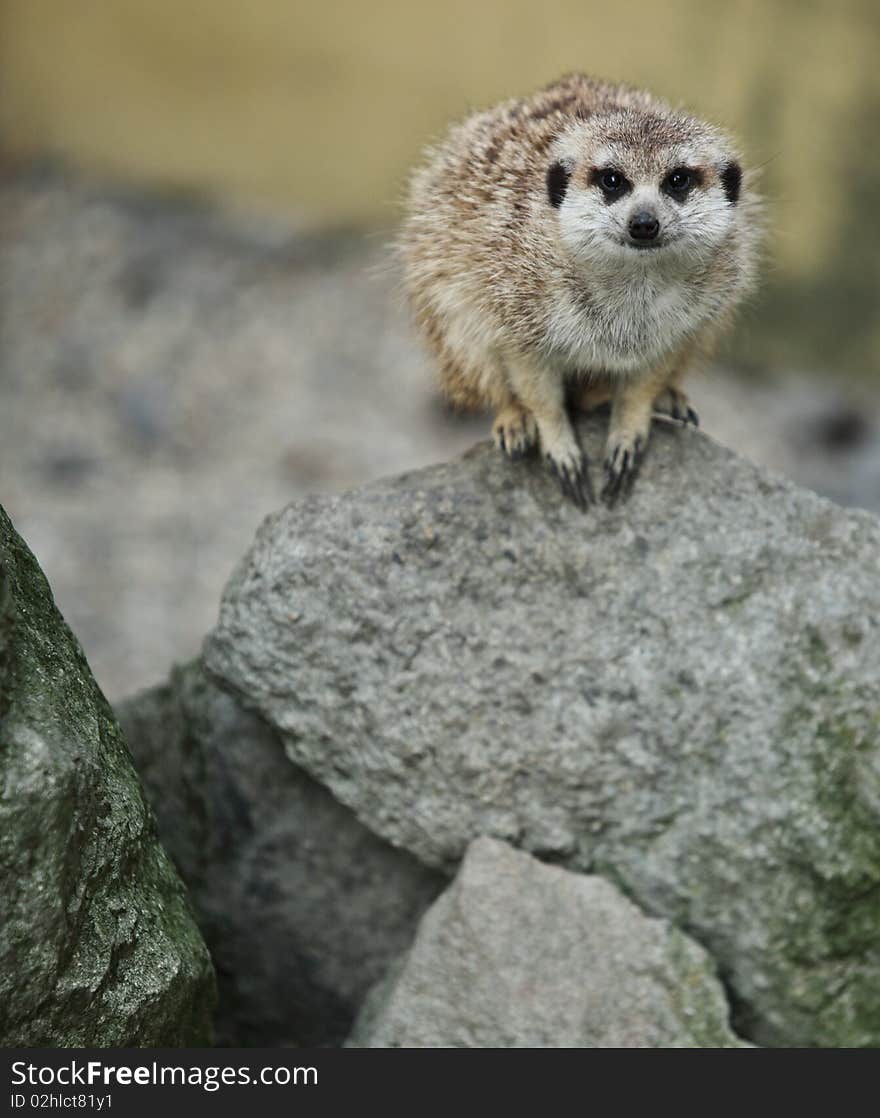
571,469
623,457
515,431
674,403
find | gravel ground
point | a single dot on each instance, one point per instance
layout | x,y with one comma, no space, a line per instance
168,376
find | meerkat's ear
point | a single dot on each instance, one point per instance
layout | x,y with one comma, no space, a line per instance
558,175
731,179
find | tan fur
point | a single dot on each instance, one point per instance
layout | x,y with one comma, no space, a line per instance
514,315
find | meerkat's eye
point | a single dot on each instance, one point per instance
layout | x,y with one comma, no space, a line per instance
613,184
679,182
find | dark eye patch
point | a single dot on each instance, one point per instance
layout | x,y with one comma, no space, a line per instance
558,176
731,180
613,183
680,182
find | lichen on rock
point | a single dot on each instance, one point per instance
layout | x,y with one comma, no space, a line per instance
98,947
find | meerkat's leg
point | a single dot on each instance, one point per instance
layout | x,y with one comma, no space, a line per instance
673,402
515,430
540,391
629,429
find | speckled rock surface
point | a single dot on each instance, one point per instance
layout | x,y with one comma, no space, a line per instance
98,947
302,907
518,954
680,694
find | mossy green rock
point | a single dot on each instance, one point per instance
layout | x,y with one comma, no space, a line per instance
97,942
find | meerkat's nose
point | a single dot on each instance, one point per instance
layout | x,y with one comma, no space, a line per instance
643,226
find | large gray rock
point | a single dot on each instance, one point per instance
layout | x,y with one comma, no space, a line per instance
98,947
680,693
518,954
302,907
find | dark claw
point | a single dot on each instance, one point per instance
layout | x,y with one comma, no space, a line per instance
682,413
501,441
586,484
687,416
575,485
578,491
570,488
621,471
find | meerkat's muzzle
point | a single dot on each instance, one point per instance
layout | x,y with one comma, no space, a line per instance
643,227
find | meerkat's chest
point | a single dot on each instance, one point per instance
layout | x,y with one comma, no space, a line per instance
624,324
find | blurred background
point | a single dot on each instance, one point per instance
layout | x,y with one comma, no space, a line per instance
198,315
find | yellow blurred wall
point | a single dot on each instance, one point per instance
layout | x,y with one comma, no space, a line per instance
320,108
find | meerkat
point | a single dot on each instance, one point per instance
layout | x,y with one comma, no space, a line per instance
582,246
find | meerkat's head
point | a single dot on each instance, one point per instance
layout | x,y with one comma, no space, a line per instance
633,188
